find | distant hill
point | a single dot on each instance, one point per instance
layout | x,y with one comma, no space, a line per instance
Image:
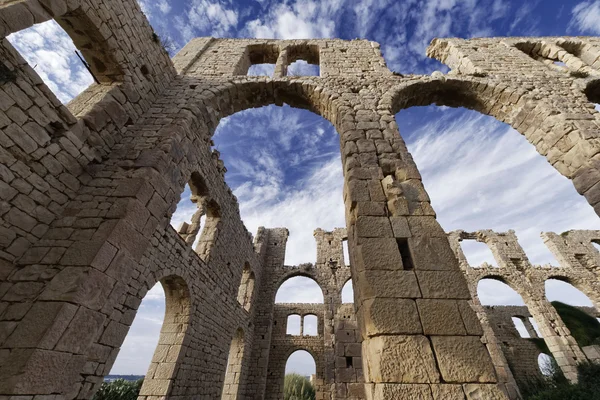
110,378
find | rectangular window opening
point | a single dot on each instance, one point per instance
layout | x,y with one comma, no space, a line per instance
520,327
349,362
304,60
404,249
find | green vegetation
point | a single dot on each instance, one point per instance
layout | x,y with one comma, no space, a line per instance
556,386
297,387
584,328
119,389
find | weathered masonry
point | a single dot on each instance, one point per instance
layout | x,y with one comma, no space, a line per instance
87,191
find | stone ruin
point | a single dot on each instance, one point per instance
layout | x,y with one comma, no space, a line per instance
87,191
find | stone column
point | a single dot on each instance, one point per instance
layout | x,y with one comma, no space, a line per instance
420,338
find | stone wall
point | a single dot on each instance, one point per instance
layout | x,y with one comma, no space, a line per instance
87,191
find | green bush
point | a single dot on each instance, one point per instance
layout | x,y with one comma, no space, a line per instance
556,387
297,387
584,328
119,389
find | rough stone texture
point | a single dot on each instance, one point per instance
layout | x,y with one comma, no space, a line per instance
87,191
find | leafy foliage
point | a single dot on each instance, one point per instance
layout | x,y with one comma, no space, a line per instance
556,387
297,387
119,389
584,328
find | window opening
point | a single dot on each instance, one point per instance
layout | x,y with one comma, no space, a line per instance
294,323
258,60
301,367
404,249
303,60
477,253
50,52
348,293
299,289
520,327
492,292
142,338
348,362
346,252
536,328
246,287
546,364
564,292
310,325
234,366
596,245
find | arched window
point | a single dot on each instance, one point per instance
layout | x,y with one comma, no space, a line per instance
138,347
246,287
310,325
546,364
299,289
190,216
477,253
294,325
492,292
173,303
348,292
301,362
234,367
557,290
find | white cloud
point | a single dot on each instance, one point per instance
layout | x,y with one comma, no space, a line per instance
302,20
51,53
586,16
206,18
481,174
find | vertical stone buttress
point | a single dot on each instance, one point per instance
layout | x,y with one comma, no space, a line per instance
420,337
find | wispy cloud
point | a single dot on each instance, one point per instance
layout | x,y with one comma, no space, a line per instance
51,53
586,17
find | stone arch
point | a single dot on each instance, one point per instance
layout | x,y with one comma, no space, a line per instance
246,289
254,94
233,372
579,285
499,278
347,292
171,347
296,274
509,105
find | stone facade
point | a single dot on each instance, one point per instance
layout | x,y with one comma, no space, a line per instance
87,191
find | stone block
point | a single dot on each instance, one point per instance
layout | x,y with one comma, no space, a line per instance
469,317
463,359
400,227
447,392
374,283
399,359
432,253
384,316
373,227
440,317
384,391
484,392
443,285
378,254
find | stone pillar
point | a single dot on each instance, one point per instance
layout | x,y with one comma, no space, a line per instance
420,337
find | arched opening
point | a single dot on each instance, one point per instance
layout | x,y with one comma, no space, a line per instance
300,373
165,309
348,292
592,91
473,192
478,253
546,364
285,171
234,367
138,347
299,289
564,292
189,219
246,287
294,325
50,52
310,325
493,292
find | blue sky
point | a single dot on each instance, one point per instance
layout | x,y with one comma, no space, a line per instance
283,163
